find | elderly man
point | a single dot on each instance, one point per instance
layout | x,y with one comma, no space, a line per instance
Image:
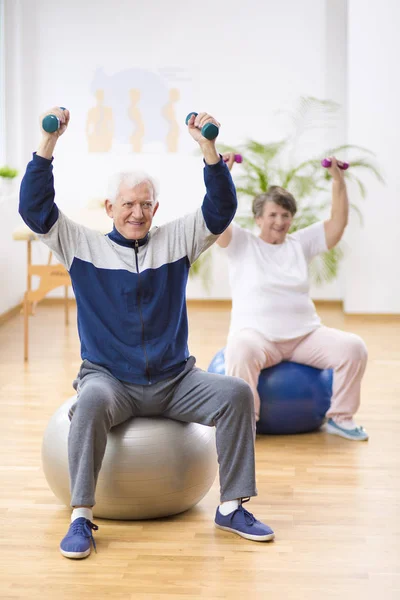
130,293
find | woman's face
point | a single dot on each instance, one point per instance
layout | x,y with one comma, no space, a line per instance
274,223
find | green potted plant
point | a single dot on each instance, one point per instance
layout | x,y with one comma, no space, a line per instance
274,163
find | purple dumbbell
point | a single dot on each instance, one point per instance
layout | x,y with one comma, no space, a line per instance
326,162
238,159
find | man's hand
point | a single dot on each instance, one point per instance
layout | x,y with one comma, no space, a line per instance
195,124
63,117
49,140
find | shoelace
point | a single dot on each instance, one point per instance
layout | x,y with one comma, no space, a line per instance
82,526
248,516
358,429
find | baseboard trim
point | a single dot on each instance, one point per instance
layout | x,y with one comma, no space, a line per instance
214,302
15,310
329,303
225,302
217,303
9,314
55,301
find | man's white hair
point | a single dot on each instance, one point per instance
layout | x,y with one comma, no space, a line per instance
131,179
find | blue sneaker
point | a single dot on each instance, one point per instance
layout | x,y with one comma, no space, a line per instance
358,433
76,543
242,522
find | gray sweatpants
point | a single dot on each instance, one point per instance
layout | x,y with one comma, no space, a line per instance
192,396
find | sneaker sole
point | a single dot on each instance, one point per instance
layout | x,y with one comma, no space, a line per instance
254,538
75,554
333,431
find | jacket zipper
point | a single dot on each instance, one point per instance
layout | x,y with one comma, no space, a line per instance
140,313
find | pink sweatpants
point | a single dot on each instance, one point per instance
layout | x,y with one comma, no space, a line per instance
248,352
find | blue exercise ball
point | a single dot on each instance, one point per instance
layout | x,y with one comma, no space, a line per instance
294,397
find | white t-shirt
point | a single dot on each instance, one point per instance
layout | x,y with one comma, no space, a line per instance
270,283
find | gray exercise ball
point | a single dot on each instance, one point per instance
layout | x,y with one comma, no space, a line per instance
153,467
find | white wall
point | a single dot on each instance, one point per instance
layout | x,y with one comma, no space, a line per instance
17,134
241,62
13,256
372,269
2,83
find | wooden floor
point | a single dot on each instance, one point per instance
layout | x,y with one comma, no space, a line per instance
334,504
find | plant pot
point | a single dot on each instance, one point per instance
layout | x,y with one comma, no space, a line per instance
7,187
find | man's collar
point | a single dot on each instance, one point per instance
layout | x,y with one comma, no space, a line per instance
116,237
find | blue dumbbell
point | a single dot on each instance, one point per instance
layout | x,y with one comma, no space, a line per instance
209,130
51,123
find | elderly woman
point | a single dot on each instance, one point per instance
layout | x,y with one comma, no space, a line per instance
273,317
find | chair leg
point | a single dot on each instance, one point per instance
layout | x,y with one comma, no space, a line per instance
26,327
66,305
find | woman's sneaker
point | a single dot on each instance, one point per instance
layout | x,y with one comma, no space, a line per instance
357,433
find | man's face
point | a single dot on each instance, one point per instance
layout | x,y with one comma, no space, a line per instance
133,210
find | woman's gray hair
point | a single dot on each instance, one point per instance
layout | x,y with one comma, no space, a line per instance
275,194
131,179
